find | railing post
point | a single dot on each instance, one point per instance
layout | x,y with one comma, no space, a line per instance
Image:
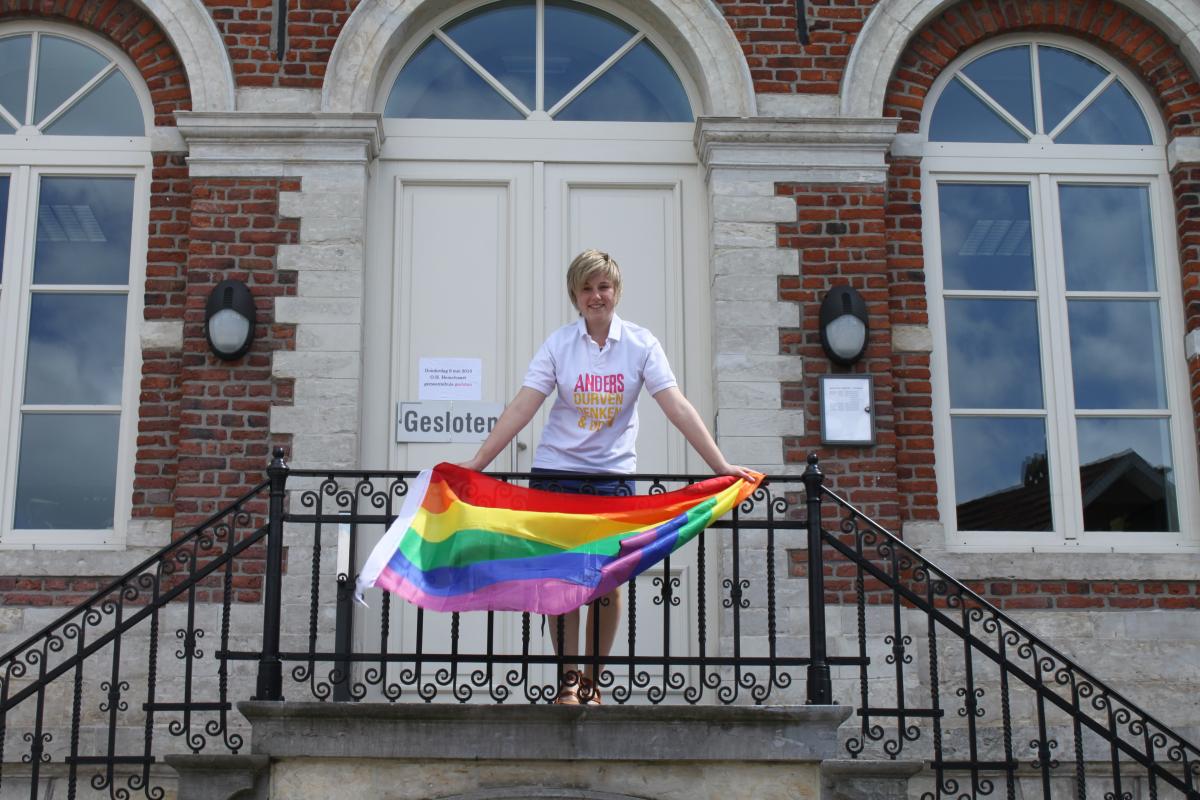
270,667
820,688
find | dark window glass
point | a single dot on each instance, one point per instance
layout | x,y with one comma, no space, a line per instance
985,233
1066,79
436,84
960,116
63,68
4,180
578,39
67,471
1112,118
1126,475
109,109
14,75
1001,474
502,38
640,87
1005,75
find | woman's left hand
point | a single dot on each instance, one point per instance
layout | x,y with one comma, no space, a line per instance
738,472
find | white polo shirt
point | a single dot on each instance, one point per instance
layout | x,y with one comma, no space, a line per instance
593,424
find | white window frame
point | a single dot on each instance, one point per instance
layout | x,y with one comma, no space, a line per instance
27,156
1043,166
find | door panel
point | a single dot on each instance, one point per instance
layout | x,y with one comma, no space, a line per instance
463,260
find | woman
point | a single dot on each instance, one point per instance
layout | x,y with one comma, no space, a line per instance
596,367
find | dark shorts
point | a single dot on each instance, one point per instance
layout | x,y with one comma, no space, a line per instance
609,487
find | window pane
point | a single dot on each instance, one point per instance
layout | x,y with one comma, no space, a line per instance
578,39
641,87
1066,79
1126,475
83,231
986,242
1006,76
76,349
995,360
1112,118
961,116
1116,354
63,68
67,474
1107,243
436,84
14,74
3,219
110,109
502,38
1001,474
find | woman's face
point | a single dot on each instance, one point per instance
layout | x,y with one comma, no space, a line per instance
596,299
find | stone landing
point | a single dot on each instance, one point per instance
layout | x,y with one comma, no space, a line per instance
317,751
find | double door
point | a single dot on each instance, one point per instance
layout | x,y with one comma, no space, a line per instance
472,257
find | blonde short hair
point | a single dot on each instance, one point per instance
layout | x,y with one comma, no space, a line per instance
590,264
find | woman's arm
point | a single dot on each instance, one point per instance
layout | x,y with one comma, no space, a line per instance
515,417
683,415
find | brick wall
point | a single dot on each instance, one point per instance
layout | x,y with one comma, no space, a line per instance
158,410
224,441
839,231
312,29
129,28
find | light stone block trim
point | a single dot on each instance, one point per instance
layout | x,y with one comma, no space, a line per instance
322,256
761,312
164,334
748,394
743,234
912,339
741,367
1183,150
763,339
742,449
316,310
758,422
732,208
1191,344
746,287
760,261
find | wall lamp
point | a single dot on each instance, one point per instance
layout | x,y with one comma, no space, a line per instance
844,325
229,320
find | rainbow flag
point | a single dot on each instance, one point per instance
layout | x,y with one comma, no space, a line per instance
467,542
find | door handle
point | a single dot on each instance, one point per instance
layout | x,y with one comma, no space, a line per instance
522,447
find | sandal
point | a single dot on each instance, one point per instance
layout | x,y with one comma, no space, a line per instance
588,693
568,690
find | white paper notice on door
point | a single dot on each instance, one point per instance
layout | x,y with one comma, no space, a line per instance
450,379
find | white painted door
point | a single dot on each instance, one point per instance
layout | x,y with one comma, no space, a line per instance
476,265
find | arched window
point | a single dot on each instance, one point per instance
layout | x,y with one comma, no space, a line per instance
1061,410
73,160
556,59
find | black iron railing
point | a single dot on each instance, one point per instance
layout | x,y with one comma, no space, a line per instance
261,596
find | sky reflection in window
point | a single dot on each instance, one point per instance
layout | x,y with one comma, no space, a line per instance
501,37
83,231
64,67
1116,354
1107,242
995,360
985,232
76,349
